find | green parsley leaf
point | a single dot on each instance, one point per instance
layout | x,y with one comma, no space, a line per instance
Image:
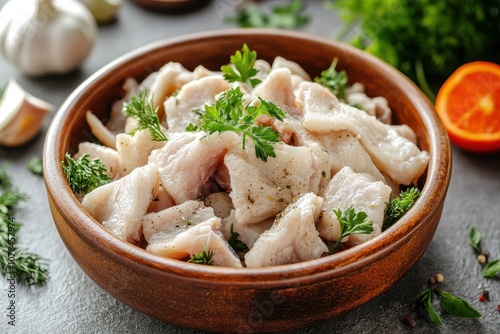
491,269
351,222
237,245
35,165
456,306
474,238
243,70
84,175
335,81
395,209
425,299
204,258
139,108
229,114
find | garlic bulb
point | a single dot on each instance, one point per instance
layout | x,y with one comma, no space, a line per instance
46,36
21,115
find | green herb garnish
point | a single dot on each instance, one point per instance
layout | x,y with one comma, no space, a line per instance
243,70
396,208
204,257
474,238
84,175
16,263
351,222
282,17
229,114
35,165
425,299
491,269
335,81
235,243
139,108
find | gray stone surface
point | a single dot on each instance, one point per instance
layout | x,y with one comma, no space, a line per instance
72,303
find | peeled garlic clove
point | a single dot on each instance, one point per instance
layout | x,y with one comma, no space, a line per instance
21,115
104,11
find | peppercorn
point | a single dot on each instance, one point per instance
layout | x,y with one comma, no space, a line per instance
481,258
484,296
410,320
431,280
439,278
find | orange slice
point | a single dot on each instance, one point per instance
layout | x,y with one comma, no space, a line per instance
468,104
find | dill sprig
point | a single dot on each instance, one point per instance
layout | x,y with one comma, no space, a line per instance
229,114
351,222
84,175
396,208
204,257
19,264
147,116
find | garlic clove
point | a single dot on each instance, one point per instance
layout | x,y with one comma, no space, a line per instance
21,115
104,11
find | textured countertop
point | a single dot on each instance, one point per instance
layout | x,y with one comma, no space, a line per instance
72,303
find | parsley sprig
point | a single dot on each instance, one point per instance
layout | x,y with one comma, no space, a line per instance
235,243
204,257
351,222
141,109
334,80
84,175
396,208
242,67
16,263
229,114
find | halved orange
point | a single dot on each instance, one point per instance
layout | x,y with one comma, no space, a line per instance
468,104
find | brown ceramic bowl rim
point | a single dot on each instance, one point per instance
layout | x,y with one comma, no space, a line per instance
336,265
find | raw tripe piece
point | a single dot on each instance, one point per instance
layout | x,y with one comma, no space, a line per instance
393,154
180,108
205,236
186,163
292,238
120,205
363,193
108,156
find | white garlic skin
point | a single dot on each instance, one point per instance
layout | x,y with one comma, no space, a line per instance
44,37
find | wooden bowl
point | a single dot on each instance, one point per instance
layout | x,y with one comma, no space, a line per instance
265,299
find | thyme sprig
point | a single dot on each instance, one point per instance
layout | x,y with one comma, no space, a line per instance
84,175
16,263
147,116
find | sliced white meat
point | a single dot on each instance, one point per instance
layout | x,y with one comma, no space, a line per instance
165,84
221,203
264,68
108,156
248,233
292,238
201,237
100,131
161,199
277,88
120,205
201,71
295,68
117,118
188,160
363,193
316,101
259,189
174,220
394,155
133,151
181,108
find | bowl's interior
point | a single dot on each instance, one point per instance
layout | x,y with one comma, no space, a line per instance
212,50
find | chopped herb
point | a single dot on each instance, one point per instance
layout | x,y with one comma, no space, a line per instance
229,114
17,263
352,222
396,208
491,269
243,61
474,238
456,306
425,299
237,245
282,17
204,257
84,175
335,81
147,116
35,165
